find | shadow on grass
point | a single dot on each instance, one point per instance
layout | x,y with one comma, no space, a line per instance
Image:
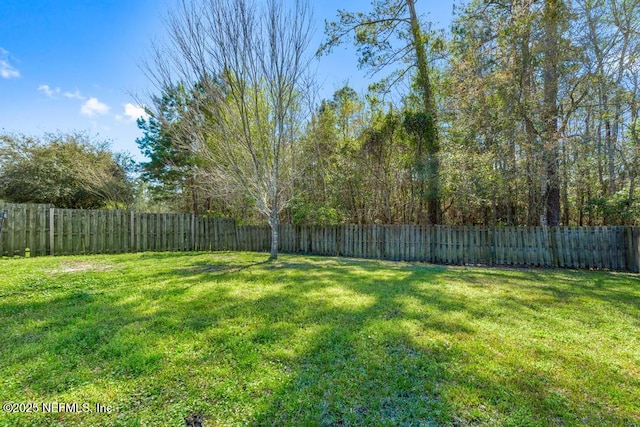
311,342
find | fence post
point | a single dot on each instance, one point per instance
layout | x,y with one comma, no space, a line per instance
3,215
635,244
132,247
51,231
194,235
492,245
236,237
632,235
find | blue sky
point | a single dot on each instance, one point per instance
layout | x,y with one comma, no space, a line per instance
74,65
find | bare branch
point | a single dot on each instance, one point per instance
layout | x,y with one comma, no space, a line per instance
243,67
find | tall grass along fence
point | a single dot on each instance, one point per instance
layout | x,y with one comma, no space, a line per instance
39,230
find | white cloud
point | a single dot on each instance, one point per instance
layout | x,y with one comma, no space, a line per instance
52,92
93,107
6,70
74,95
48,90
132,113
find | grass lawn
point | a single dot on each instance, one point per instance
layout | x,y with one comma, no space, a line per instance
232,340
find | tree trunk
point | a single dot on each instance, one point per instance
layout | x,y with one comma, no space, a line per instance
611,140
274,219
274,223
531,147
551,16
635,140
430,139
566,214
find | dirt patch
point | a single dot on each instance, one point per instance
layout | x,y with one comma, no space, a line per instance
77,266
194,420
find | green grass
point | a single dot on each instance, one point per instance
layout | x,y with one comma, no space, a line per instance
316,341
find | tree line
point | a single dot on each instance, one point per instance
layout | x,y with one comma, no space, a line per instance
525,113
522,113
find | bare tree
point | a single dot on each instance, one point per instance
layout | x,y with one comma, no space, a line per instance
244,66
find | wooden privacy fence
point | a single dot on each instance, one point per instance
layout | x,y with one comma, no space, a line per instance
612,248
43,230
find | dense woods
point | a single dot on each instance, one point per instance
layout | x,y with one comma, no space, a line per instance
542,99
523,113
